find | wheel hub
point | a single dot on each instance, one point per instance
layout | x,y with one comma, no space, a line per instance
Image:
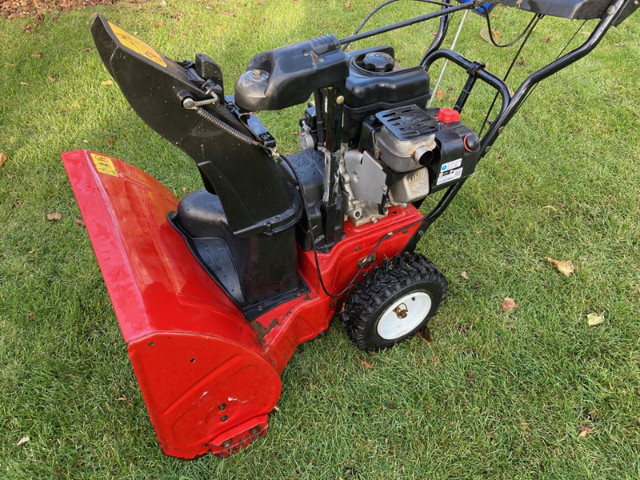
404,315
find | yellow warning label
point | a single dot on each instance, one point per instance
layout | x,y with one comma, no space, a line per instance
136,45
104,164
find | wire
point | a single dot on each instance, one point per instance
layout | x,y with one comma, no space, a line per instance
513,42
531,27
559,55
384,4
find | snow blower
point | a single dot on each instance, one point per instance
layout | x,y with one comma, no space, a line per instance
213,293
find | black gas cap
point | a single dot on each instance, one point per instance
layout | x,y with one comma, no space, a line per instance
378,62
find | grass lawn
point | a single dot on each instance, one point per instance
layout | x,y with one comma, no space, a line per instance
531,393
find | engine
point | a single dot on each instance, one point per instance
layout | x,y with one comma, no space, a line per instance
395,151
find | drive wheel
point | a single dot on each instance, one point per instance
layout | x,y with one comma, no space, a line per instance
393,302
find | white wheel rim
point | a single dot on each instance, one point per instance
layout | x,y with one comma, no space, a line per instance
404,315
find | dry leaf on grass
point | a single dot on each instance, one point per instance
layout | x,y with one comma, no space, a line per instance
51,79
594,319
464,275
565,267
425,334
3,158
550,207
54,217
365,363
509,304
440,94
22,441
106,82
484,34
78,222
123,399
584,431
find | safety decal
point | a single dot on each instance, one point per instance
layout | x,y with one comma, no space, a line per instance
449,176
104,164
136,45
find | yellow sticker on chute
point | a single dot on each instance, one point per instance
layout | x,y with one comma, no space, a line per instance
136,45
104,164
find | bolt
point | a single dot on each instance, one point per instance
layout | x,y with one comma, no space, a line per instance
224,418
611,10
420,233
264,136
256,73
222,406
501,129
227,444
340,100
486,150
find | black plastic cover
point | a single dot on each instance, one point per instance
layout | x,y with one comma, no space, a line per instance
367,92
574,9
288,75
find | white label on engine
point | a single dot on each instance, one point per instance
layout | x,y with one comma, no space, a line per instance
451,165
449,175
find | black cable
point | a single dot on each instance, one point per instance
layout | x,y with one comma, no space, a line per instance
384,4
531,28
559,55
506,45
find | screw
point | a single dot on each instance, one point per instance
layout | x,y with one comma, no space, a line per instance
224,418
222,406
227,444
501,129
340,100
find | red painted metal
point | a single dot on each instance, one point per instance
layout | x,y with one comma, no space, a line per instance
208,376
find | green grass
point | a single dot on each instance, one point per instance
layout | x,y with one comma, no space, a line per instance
495,395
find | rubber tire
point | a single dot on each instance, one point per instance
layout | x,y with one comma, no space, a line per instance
385,284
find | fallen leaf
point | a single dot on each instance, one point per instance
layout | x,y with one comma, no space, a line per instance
550,207
106,82
484,34
348,4
78,222
51,79
32,315
230,14
24,84
470,378
158,24
509,304
123,399
425,334
54,216
365,363
22,441
111,141
440,94
36,54
546,40
464,275
565,267
3,158
584,431
594,319
184,189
